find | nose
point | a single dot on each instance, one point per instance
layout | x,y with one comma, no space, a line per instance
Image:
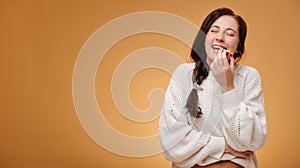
220,37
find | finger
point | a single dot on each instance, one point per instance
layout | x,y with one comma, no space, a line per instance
248,155
219,58
224,59
214,64
244,155
231,63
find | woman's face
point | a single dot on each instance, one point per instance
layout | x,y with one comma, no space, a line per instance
223,33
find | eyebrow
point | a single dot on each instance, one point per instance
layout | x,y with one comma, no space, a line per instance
226,29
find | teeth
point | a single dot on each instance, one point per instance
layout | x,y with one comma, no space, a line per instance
219,48
228,53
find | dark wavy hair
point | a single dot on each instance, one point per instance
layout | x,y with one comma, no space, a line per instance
198,54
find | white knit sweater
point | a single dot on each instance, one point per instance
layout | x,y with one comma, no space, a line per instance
237,117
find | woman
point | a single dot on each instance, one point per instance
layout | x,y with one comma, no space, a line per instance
213,113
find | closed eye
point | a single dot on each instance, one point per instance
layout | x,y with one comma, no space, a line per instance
214,29
230,34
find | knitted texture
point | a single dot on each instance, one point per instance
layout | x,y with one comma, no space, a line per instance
237,117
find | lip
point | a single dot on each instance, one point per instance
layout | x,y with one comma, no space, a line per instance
216,46
220,47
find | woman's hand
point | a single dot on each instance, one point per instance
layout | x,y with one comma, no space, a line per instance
245,155
223,70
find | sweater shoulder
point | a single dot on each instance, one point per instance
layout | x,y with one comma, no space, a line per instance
183,74
184,70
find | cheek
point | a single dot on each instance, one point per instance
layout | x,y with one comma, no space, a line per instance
208,46
208,41
209,51
234,44
209,37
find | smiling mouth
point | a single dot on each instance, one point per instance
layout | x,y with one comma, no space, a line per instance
228,53
219,47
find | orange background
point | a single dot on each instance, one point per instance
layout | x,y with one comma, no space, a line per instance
40,41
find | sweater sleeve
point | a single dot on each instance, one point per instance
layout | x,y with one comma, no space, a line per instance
243,119
181,142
